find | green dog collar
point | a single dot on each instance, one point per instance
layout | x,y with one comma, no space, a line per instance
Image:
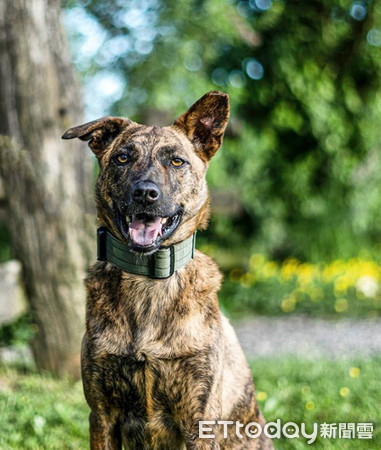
161,264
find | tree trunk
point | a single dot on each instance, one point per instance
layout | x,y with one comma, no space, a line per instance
48,182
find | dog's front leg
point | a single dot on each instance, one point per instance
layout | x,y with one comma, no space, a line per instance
199,431
195,442
103,434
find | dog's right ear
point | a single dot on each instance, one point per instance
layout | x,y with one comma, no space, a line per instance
100,133
205,121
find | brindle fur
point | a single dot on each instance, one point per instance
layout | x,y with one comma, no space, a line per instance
157,355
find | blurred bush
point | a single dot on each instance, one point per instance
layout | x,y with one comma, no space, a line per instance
18,333
337,289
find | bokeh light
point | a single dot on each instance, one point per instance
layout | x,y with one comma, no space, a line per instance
358,11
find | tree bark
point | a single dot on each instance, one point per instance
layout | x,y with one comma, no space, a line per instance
48,182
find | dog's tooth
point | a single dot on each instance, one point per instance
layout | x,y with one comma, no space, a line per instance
128,219
164,220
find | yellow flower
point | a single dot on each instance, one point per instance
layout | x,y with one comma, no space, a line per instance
333,270
306,274
288,304
354,372
310,405
289,268
344,391
339,266
370,269
342,284
327,274
341,305
247,279
261,396
270,269
256,260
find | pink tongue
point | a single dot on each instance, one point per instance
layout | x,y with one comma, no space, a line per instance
145,233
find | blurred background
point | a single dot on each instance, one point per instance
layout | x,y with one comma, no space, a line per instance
296,187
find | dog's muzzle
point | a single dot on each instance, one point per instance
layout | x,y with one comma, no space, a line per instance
144,232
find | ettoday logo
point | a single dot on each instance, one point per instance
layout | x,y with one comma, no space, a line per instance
290,430
273,430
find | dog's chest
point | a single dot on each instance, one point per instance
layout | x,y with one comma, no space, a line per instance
144,319
159,334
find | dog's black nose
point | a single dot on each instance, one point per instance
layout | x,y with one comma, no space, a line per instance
145,192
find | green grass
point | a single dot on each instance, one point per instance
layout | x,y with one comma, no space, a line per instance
312,392
39,412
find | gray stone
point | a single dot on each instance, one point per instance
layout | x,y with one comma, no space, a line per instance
12,297
15,355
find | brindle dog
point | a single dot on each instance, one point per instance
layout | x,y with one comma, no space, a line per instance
158,356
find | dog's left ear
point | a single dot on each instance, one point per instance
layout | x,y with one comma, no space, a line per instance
100,133
204,123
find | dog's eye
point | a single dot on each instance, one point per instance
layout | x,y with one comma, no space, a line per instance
122,159
177,162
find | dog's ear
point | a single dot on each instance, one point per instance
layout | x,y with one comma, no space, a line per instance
204,123
100,133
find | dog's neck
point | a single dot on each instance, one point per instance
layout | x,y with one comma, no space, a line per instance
161,264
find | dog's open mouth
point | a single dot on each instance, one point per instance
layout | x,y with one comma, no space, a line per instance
144,232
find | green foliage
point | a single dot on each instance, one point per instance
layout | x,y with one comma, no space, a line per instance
5,249
312,116
39,412
19,332
317,392
302,150
341,288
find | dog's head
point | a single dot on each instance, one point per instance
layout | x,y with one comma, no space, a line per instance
151,189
